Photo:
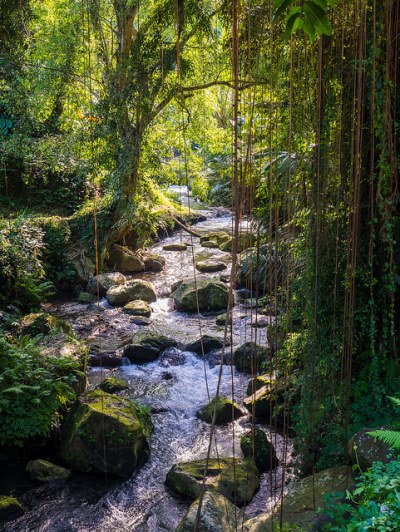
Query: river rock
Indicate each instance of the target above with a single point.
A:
(110, 360)
(205, 344)
(46, 471)
(267, 379)
(368, 449)
(218, 237)
(42, 323)
(132, 290)
(146, 347)
(267, 400)
(140, 320)
(210, 266)
(122, 259)
(217, 514)
(209, 244)
(175, 247)
(82, 266)
(245, 240)
(153, 262)
(211, 295)
(250, 355)
(105, 282)
(264, 452)
(106, 433)
(235, 479)
(226, 409)
(300, 504)
(85, 298)
(138, 308)
(10, 508)
(113, 384)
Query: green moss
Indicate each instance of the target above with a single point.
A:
(7, 502)
(224, 411)
(43, 323)
(113, 384)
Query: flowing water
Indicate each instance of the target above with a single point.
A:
(174, 386)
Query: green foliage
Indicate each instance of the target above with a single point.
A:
(33, 390)
(22, 275)
(309, 16)
(373, 505)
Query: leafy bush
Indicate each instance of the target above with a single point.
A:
(22, 276)
(373, 505)
(33, 390)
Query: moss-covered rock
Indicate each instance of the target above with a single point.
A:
(106, 433)
(236, 479)
(259, 381)
(113, 384)
(206, 344)
(364, 449)
(147, 346)
(210, 266)
(218, 237)
(122, 259)
(249, 356)
(211, 295)
(264, 452)
(300, 504)
(209, 244)
(226, 410)
(105, 281)
(45, 471)
(175, 247)
(217, 514)
(153, 262)
(86, 299)
(10, 508)
(245, 240)
(222, 319)
(130, 291)
(82, 266)
(42, 323)
(138, 308)
(268, 400)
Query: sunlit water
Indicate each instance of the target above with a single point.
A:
(143, 503)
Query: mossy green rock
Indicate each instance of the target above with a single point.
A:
(249, 356)
(205, 344)
(85, 298)
(300, 504)
(226, 409)
(210, 266)
(217, 237)
(245, 240)
(113, 384)
(264, 452)
(266, 401)
(106, 433)
(122, 259)
(147, 346)
(153, 262)
(217, 514)
(10, 509)
(259, 381)
(211, 295)
(105, 281)
(209, 244)
(369, 449)
(45, 471)
(130, 291)
(235, 479)
(222, 319)
(43, 323)
(138, 308)
(175, 247)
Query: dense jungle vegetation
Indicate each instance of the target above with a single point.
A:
(286, 112)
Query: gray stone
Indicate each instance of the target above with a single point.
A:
(122, 259)
(46, 471)
(105, 282)
(211, 295)
(130, 291)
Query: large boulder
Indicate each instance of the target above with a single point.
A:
(300, 504)
(267, 379)
(206, 344)
(364, 449)
(236, 479)
(217, 514)
(105, 282)
(210, 266)
(106, 433)
(217, 237)
(82, 266)
(42, 323)
(153, 262)
(122, 259)
(138, 308)
(113, 384)
(255, 446)
(268, 401)
(45, 471)
(225, 411)
(10, 508)
(211, 295)
(244, 241)
(146, 347)
(130, 291)
(249, 356)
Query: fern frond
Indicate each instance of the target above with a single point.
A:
(391, 437)
(395, 401)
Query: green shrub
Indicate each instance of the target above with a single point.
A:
(373, 505)
(33, 390)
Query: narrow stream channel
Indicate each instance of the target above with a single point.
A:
(143, 503)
